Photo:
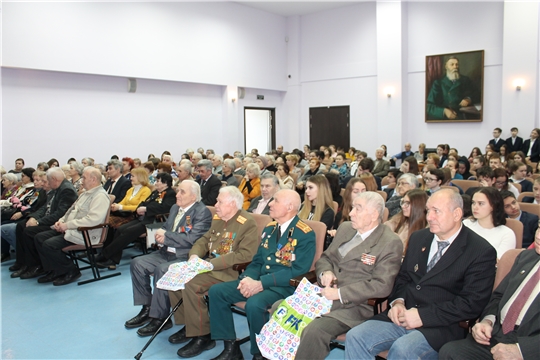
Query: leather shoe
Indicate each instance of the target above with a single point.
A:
(153, 326)
(139, 320)
(18, 273)
(196, 346)
(33, 272)
(49, 277)
(179, 337)
(5, 257)
(106, 264)
(231, 352)
(67, 278)
(15, 267)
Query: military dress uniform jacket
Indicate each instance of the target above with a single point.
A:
(367, 271)
(279, 260)
(228, 243)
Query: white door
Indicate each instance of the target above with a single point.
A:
(258, 130)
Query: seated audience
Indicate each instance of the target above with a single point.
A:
(87, 161)
(474, 153)
(262, 162)
(345, 278)
(392, 176)
(314, 169)
(369, 180)
(446, 277)
(531, 147)
(75, 176)
(183, 170)
(411, 218)
(335, 189)
(509, 327)
(354, 187)
(448, 179)
(318, 204)
(123, 211)
(489, 220)
(227, 173)
(464, 168)
(340, 168)
(503, 154)
(19, 165)
(217, 164)
(159, 202)
(251, 184)
(453, 166)
(189, 220)
(117, 184)
(519, 173)
(10, 205)
(495, 161)
(529, 221)
(420, 155)
(42, 166)
(536, 192)
(53, 163)
(409, 165)
(127, 165)
(433, 159)
(405, 183)
(29, 202)
(90, 209)
(501, 182)
(209, 183)
(285, 180)
(225, 252)
(269, 185)
(328, 159)
(266, 279)
(433, 180)
(9, 185)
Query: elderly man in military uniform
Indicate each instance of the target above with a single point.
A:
(232, 239)
(287, 249)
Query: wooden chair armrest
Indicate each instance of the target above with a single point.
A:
(241, 267)
(162, 217)
(311, 276)
(376, 301)
(86, 228)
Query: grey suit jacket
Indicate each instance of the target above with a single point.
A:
(358, 280)
(192, 226)
(381, 168)
(255, 202)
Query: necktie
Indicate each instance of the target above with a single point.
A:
(111, 187)
(442, 245)
(517, 306)
(348, 246)
(278, 233)
(177, 219)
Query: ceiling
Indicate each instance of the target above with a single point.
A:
(292, 8)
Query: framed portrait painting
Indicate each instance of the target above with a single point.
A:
(455, 87)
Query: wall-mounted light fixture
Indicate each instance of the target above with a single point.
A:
(389, 91)
(233, 93)
(518, 83)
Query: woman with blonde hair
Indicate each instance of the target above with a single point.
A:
(123, 211)
(251, 184)
(318, 204)
(292, 162)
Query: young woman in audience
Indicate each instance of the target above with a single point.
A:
(333, 151)
(518, 156)
(391, 178)
(478, 162)
(464, 167)
(503, 153)
(340, 168)
(335, 189)
(369, 180)
(433, 180)
(489, 220)
(53, 163)
(411, 218)
(318, 204)
(409, 165)
(314, 169)
(351, 154)
(9, 185)
(490, 147)
(354, 187)
(251, 184)
(502, 183)
(452, 164)
(123, 211)
(328, 159)
(519, 172)
(75, 173)
(448, 180)
(474, 153)
(285, 180)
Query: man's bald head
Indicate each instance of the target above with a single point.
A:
(285, 205)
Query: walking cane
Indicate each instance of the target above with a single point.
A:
(138, 356)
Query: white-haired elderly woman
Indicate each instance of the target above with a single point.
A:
(251, 184)
(405, 183)
(9, 185)
(75, 173)
(227, 173)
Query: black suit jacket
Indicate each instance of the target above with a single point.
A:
(535, 152)
(158, 203)
(255, 202)
(516, 147)
(527, 334)
(456, 289)
(526, 185)
(528, 199)
(210, 191)
(64, 196)
(530, 224)
(497, 145)
(120, 189)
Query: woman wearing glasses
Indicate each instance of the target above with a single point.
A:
(501, 182)
(412, 216)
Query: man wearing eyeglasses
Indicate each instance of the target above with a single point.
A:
(513, 211)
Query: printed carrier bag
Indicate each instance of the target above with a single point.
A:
(180, 273)
(280, 337)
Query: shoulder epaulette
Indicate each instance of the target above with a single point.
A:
(216, 217)
(303, 226)
(273, 223)
(241, 219)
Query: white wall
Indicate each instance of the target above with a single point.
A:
(210, 43)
